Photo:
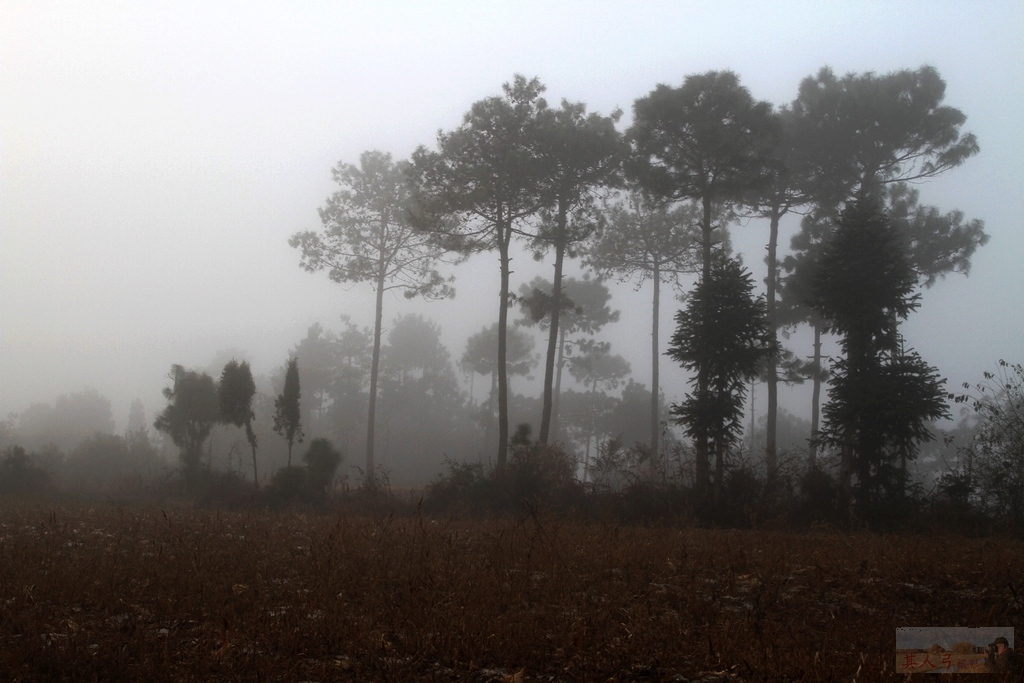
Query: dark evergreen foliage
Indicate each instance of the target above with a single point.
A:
(723, 335)
(287, 412)
(192, 411)
(882, 397)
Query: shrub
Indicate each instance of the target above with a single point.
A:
(322, 460)
(287, 486)
(540, 472)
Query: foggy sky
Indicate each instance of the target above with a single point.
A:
(155, 158)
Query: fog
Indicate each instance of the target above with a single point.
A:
(155, 159)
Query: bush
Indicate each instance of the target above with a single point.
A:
(541, 472)
(288, 486)
(322, 460)
(466, 487)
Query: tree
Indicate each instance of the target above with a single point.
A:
(104, 461)
(870, 130)
(724, 336)
(287, 412)
(193, 408)
(237, 389)
(422, 412)
(708, 141)
(21, 473)
(596, 366)
(645, 239)
(869, 133)
(481, 357)
(137, 418)
(583, 309)
(488, 176)
(71, 419)
(936, 244)
(789, 187)
(881, 397)
(319, 351)
(367, 237)
(582, 153)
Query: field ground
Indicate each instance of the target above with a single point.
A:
(127, 594)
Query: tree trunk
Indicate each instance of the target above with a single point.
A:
(374, 372)
(771, 284)
(816, 394)
(701, 446)
(556, 308)
(719, 471)
(251, 437)
(504, 238)
(489, 427)
(556, 402)
(655, 306)
(590, 434)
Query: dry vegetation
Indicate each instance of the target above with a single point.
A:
(111, 594)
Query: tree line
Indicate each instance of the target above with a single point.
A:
(655, 201)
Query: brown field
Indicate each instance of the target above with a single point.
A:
(140, 594)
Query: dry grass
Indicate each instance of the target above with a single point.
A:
(115, 594)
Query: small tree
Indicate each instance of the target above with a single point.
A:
(287, 413)
(237, 389)
(724, 336)
(193, 408)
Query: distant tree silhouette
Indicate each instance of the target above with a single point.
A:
(237, 389)
(287, 411)
(584, 309)
(367, 237)
(644, 240)
(322, 461)
(192, 410)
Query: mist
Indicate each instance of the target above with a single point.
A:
(155, 162)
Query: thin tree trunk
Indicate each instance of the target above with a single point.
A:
(504, 238)
(374, 371)
(701, 446)
(557, 399)
(251, 437)
(590, 435)
(655, 389)
(719, 471)
(556, 308)
(771, 284)
(489, 427)
(816, 395)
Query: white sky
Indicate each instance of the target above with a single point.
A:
(156, 156)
